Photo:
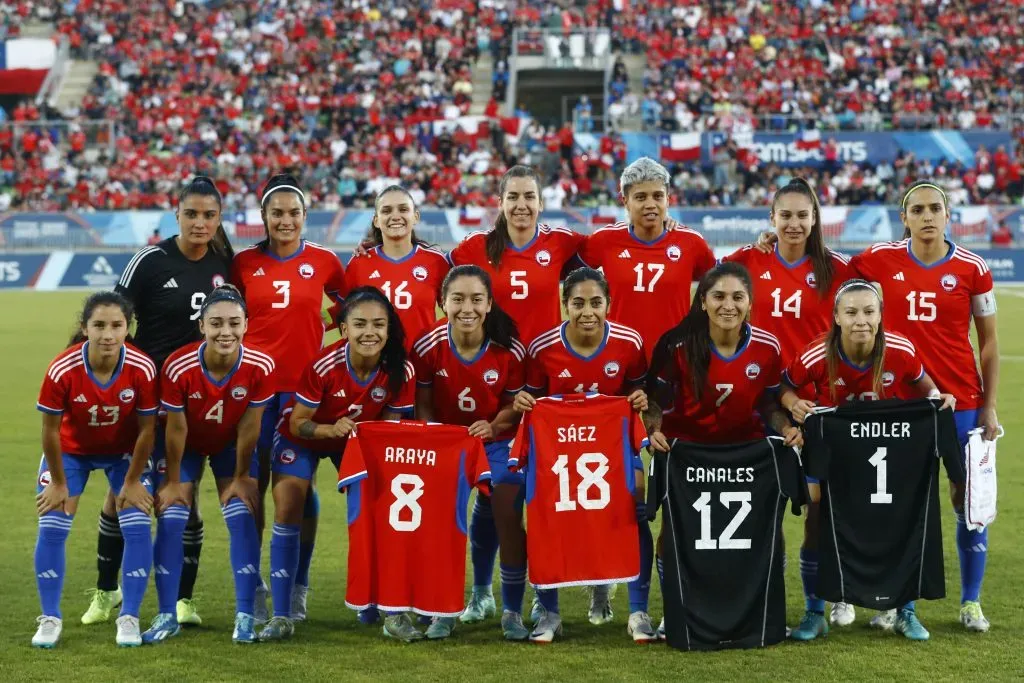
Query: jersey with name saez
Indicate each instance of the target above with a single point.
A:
(619, 363)
(408, 488)
(213, 408)
(578, 453)
(468, 390)
(98, 419)
(285, 298)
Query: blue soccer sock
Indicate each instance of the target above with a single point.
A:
(483, 539)
(548, 598)
(639, 590)
(513, 587)
(972, 549)
(284, 564)
(54, 528)
(809, 576)
(169, 556)
(138, 559)
(245, 554)
(909, 607)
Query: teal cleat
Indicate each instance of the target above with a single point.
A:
(441, 628)
(278, 628)
(512, 626)
(245, 629)
(908, 624)
(164, 626)
(813, 625)
(480, 607)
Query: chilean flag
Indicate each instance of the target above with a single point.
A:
(679, 147)
(24, 63)
(472, 216)
(808, 139)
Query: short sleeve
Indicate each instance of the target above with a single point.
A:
(536, 380)
(52, 395)
(311, 387)
(335, 286)
(796, 375)
(172, 396)
(914, 368)
(516, 370)
(135, 279)
(236, 277)
(263, 388)
(353, 466)
(405, 400)
(774, 370)
(948, 445)
(424, 367)
(462, 253)
(704, 259)
(591, 251)
(816, 452)
(738, 256)
(862, 265)
(636, 371)
(146, 389)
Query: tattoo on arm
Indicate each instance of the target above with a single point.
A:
(307, 430)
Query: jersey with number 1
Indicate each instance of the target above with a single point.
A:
(618, 364)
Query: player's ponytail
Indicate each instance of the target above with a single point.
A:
(203, 186)
(834, 340)
(374, 235)
(392, 356)
(498, 237)
(917, 186)
(94, 301)
(499, 327)
(282, 182)
(821, 260)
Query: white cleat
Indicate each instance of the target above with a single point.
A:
(549, 626)
(884, 621)
(299, 602)
(48, 632)
(260, 614)
(842, 614)
(128, 632)
(641, 629)
(600, 606)
(661, 630)
(972, 617)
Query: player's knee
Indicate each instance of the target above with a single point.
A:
(289, 500)
(110, 504)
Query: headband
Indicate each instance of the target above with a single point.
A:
(918, 187)
(302, 197)
(223, 294)
(856, 284)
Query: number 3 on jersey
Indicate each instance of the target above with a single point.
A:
(284, 290)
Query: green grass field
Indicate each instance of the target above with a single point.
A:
(331, 644)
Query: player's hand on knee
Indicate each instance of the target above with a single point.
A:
(134, 495)
(171, 493)
(51, 498)
(245, 489)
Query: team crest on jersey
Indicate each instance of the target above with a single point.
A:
(306, 271)
(753, 370)
(287, 456)
(378, 394)
(674, 253)
(127, 395)
(948, 282)
(44, 477)
(811, 280)
(887, 379)
(420, 273)
(238, 393)
(218, 280)
(544, 257)
(611, 369)
(491, 376)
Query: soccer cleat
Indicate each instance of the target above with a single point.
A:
(101, 605)
(813, 624)
(48, 632)
(163, 627)
(537, 610)
(884, 620)
(479, 608)
(299, 602)
(278, 628)
(908, 624)
(260, 613)
(400, 627)
(128, 632)
(245, 629)
(842, 614)
(512, 626)
(188, 612)
(549, 626)
(369, 616)
(639, 626)
(972, 618)
(600, 607)
(661, 630)
(440, 628)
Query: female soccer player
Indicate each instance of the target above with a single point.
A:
(869, 364)
(468, 369)
(284, 279)
(214, 393)
(586, 354)
(99, 403)
(366, 378)
(167, 283)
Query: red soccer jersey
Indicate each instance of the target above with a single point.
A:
(786, 303)
(409, 486)
(527, 284)
(901, 370)
(649, 281)
(553, 368)
(468, 390)
(213, 408)
(412, 284)
(284, 298)
(932, 307)
(727, 410)
(330, 386)
(578, 453)
(98, 419)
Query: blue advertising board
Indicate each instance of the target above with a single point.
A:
(21, 270)
(100, 271)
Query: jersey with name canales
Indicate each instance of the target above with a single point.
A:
(619, 363)
(786, 300)
(578, 453)
(901, 370)
(285, 297)
(331, 387)
(723, 551)
(649, 281)
(881, 533)
(727, 409)
(98, 419)
(213, 408)
(526, 284)
(932, 306)
(168, 291)
(412, 284)
(468, 390)
(408, 489)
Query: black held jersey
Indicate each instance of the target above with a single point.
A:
(722, 551)
(878, 462)
(168, 290)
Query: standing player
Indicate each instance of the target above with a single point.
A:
(468, 370)
(366, 378)
(98, 401)
(589, 354)
(167, 283)
(214, 392)
(284, 279)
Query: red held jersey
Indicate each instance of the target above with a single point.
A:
(98, 419)
(409, 486)
(901, 370)
(932, 306)
(214, 408)
(412, 284)
(727, 410)
(553, 367)
(786, 302)
(577, 452)
(649, 281)
(466, 391)
(330, 386)
(526, 285)
(284, 298)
